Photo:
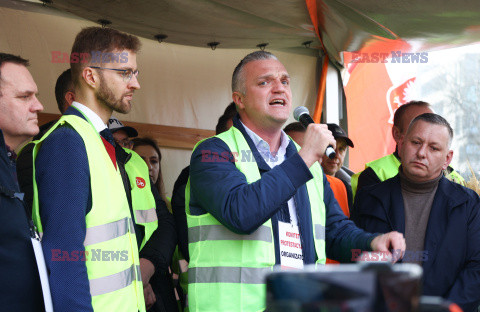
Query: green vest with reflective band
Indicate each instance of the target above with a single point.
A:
(385, 168)
(455, 177)
(112, 261)
(180, 268)
(227, 270)
(142, 198)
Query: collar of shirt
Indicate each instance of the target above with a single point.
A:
(91, 115)
(264, 149)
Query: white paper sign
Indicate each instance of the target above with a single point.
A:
(291, 253)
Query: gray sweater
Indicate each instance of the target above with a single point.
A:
(417, 202)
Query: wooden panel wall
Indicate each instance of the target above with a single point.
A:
(166, 136)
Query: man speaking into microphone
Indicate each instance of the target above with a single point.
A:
(255, 199)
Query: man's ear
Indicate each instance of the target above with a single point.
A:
(89, 77)
(69, 97)
(397, 134)
(238, 98)
(448, 159)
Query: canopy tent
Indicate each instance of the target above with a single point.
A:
(186, 84)
(286, 25)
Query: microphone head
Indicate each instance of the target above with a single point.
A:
(299, 111)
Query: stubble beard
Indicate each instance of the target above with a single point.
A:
(105, 96)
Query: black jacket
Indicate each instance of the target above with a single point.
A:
(20, 288)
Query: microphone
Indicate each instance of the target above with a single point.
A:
(302, 115)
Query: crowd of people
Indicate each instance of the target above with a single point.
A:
(89, 226)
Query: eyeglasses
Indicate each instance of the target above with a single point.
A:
(127, 74)
(125, 143)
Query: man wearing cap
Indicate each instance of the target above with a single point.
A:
(341, 189)
(121, 133)
(332, 166)
(156, 254)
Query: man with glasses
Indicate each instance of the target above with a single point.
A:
(81, 206)
(122, 134)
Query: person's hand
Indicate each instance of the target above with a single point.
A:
(317, 138)
(149, 295)
(147, 269)
(390, 241)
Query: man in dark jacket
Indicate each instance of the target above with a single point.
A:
(19, 279)
(439, 218)
(235, 223)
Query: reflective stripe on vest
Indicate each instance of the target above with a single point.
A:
(110, 283)
(145, 216)
(233, 266)
(228, 275)
(219, 232)
(105, 232)
(111, 252)
(143, 202)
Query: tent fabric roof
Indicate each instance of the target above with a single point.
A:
(284, 25)
(346, 25)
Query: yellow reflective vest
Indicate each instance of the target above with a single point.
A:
(143, 202)
(227, 270)
(387, 167)
(112, 261)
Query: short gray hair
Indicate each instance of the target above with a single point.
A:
(436, 120)
(238, 79)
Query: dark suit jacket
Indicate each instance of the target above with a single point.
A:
(452, 239)
(20, 288)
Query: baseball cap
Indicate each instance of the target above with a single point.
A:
(338, 132)
(114, 125)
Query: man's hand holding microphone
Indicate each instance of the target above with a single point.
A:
(318, 139)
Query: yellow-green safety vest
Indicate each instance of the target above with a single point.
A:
(143, 202)
(227, 270)
(387, 167)
(112, 262)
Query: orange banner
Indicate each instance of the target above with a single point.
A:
(372, 99)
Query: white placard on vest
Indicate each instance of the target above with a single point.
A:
(291, 253)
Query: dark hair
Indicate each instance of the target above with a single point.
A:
(400, 112)
(228, 114)
(436, 120)
(64, 84)
(294, 127)
(10, 58)
(238, 79)
(145, 141)
(99, 39)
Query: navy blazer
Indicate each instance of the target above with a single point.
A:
(452, 239)
(221, 189)
(20, 286)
